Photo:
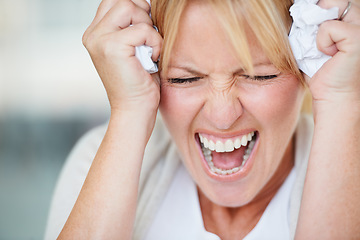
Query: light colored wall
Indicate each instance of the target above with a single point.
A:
(50, 94)
(44, 69)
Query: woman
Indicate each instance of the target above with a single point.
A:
(231, 96)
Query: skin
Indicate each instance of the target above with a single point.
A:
(334, 167)
(105, 209)
(222, 103)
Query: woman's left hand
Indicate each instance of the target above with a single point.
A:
(330, 207)
(338, 80)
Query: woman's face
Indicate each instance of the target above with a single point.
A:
(211, 108)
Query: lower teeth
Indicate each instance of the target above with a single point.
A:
(214, 169)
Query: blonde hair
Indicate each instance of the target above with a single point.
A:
(269, 20)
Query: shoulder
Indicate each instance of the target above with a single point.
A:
(71, 179)
(77, 165)
(81, 156)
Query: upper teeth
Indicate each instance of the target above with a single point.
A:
(227, 145)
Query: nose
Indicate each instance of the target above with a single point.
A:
(222, 109)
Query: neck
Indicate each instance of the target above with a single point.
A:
(236, 223)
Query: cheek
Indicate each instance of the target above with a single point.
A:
(179, 107)
(276, 102)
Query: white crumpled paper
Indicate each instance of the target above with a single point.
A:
(144, 53)
(307, 16)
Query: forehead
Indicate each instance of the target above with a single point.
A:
(203, 42)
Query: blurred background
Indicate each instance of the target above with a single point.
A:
(50, 95)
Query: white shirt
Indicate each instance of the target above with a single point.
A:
(157, 184)
(179, 217)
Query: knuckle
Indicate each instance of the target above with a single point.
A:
(85, 38)
(127, 7)
(88, 40)
(143, 4)
(324, 25)
(147, 7)
(144, 27)
(104, 4)
(160, 39)
(97, 45)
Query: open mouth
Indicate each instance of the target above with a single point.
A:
(227, 156)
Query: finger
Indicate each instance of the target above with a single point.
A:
(334, 36)
(103, 8)
(143, 34)
(346, 61)
(137, 35)
(106, 6)
(143, 4)
(353, 16)
(122, 15)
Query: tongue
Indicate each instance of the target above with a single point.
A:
(228, 160)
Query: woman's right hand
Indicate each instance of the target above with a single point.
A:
(111, 42)
(106, 205)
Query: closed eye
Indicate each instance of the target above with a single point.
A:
(260, 78)
(183, 80)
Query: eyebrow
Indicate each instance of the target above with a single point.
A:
(188, 69)
(192, 70)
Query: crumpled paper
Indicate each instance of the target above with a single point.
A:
(144, 53)
(307, 16)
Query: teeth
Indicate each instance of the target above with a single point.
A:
(229, 146)
(219, 147)
(251, 144)
(201, 138)
(249, 136)
(237, 143)
(207, 152)
(211, 145)
(226, 146)
(210, 162)
(205, 142)
(208, 146)
(244, 140)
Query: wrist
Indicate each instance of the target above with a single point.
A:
(137, 123)
(339, 112)
(144, 111)
(143, 106)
